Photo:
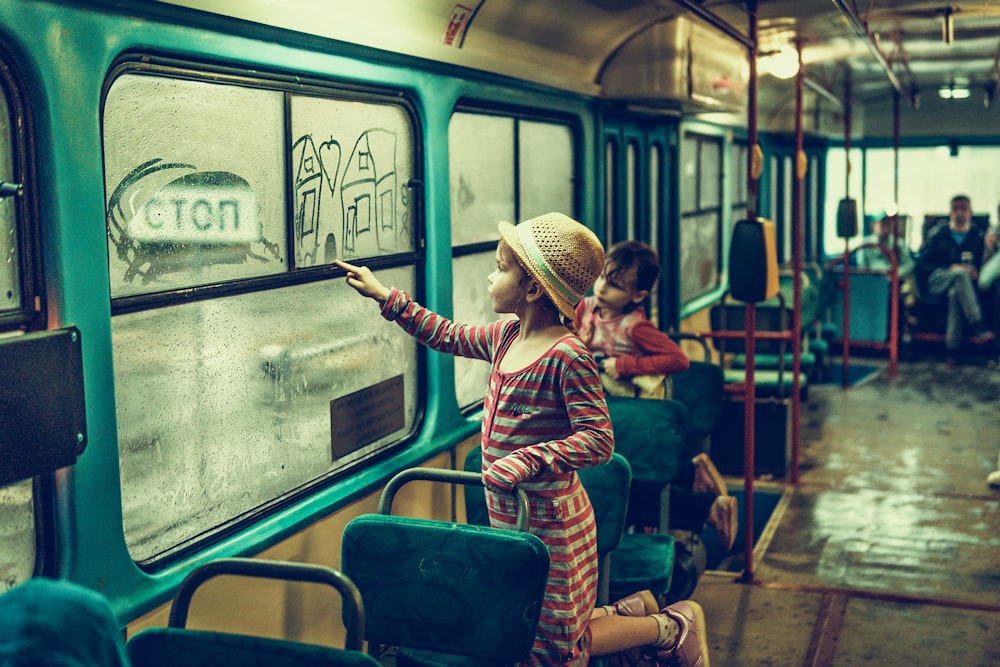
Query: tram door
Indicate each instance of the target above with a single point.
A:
(640, 156)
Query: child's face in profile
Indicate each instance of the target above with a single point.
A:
(615, 289)
(505, 281)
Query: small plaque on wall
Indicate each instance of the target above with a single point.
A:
(361, 418)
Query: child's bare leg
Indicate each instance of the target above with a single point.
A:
(614, 634)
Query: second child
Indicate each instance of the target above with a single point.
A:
(635, 359)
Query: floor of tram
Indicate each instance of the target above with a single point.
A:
(887, 552)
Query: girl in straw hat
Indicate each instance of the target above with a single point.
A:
(544, 417)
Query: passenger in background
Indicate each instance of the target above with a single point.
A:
(948, 264)
(636, 358)
(545, 416)
(51, 623)
(883, 231)
(993, 479)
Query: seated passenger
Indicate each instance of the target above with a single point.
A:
(50, 623)
(948, 265)
(635, 358)
(874, 258)
(633, 355)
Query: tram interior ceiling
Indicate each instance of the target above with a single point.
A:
(684, 56)
(42, 417)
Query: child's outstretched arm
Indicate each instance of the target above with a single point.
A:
(364, 281)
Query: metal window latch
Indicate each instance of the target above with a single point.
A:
(10, 189)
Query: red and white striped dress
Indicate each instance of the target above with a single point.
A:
(545, 421)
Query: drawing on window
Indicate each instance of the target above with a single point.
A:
(371, 198)
(161, 223)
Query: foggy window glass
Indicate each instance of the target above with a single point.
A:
(225, 405)
(10, 278)
(481, 150)
(689, 173)
(699, 254)
(701, 215)
(710, 178)
(17, 533)
(195, 193)
(546, 163)
(610, 187)
(631, 191)
(351, 166)
(472, 306)
(655, 194)
(481, 163)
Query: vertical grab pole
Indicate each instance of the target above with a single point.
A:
(846, 332)
(798, 229)
(894, 273)
(755, 165)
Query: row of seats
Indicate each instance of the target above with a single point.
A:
(444, 593)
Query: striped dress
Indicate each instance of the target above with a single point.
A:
(544, 422)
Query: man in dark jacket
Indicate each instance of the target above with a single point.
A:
(949, 266)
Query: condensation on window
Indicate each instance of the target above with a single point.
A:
(546, 168)
(472, 305)
(481, 166)
(195, 187)
(10, 275)
(351, 167)
(699, 254)
(17, 534)
(225, 405)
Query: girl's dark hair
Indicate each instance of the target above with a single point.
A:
(627, 254)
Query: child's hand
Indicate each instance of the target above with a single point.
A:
(364, 281)
(609, 368)
(501, 476)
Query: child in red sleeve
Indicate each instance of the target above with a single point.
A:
(635, 359)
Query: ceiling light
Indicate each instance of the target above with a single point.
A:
(783, 63)
(953, 92)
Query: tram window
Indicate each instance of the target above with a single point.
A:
(739, 182)
(631, 190)
(228, 405)
(701, 215)
(655, 194)
(17, 533)
(484, 177)
(545, 168)
(193, 197)
(350, 171)
(481, 162)
(10, 277)
(838, 186)
(610, 188)
(224, 405)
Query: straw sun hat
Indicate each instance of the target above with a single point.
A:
(560, 253)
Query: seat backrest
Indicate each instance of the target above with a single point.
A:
(607, 486)
(457, 589)
(701, 388)
(177, 645)
(650, 435)
(770, 316)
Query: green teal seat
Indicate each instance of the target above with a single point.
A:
(771, 361)
(178, 646)
(651, 434)
(607, 486)
(445, 593)
(701, 389)
(642, 561)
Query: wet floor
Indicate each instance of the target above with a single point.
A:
(888, 551)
